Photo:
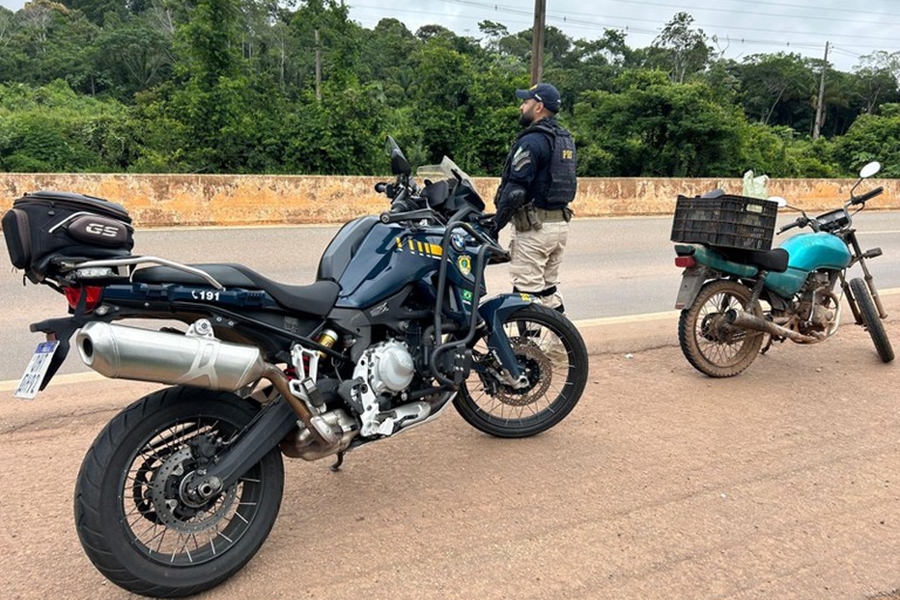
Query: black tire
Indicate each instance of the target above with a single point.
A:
(128, 519)
(709, 344)
(557, 367)
(871, 319)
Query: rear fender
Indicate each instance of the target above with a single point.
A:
(495, 312)
(692, 280)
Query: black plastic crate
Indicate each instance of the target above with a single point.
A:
(726, 221)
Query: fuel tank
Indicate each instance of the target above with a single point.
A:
(385, 258)
(808, 252)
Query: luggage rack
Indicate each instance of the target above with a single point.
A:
(140, 260)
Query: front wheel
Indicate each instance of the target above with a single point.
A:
(708, 341)
(871, 319)
(555, 361)
(135, 519)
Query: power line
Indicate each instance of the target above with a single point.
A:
(816, 6)
(575, 20)
(688, 8)
(569, 19)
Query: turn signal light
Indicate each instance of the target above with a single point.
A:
(94, 294)
(684, 262)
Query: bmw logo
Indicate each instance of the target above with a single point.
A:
(458, 242)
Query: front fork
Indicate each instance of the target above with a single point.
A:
(867, 276)
(496, 312)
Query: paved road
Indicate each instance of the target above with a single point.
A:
(777, 484)
(614, 267)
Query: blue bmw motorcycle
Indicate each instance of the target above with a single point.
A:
(181, 488)
(738, 298)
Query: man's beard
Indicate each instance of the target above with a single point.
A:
(526, 119)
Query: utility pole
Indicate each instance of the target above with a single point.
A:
(318, 69)
(537, 44)
(820, 112)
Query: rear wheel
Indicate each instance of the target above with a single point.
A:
(708, 341)
(555, 359)
(871, 319)
(134, 514)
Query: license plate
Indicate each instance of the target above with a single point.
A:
(36, 370)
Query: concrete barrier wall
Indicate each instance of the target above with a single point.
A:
(171, 200)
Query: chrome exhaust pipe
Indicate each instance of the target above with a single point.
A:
(746, 320)
(122, 352)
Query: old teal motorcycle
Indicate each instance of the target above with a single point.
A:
(738, 297)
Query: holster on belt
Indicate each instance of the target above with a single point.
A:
(527, 218)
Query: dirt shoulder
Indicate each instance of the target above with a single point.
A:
(780, 483)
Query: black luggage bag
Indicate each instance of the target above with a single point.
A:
(43, 228)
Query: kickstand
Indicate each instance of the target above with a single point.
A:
(337, 464)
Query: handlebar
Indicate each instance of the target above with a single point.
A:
(832, 220)
(867, 196)
(401, 210)
(800, 222)
(410, 215)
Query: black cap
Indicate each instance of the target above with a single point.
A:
(542, 92)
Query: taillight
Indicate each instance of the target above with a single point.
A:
(685, 261)
(94, 294)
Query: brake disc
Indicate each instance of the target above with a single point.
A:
(538, 370)
(170, 500)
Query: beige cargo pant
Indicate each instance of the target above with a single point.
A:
(536, 257)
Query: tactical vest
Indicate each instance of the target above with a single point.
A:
(559, 191)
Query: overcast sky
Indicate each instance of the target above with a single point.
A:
(743, 27)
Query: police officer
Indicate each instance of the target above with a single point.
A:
(536, 187)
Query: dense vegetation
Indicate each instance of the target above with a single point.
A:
(255, 86)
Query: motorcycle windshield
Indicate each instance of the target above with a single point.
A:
(447, 169)
(461, 186)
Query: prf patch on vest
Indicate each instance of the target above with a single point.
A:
(521, 159)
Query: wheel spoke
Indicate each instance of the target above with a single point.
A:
(548, 357)
(167, 528)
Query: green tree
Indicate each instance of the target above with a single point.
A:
(343, 134)
(441, 96)
(777, 89)
(208, 43)
(386, 58)
(680, 49)
(652, 127)
(133, 55)
(876, 76)
(872, 137)
(97, 10)
(54, 42)
(53, 129)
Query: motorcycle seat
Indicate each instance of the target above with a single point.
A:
(315, 299)
(773, 261)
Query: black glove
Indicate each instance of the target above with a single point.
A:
(511, 199)
(491, 229)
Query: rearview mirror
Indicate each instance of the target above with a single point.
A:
(870, 169)
(781, 202)
(399, 164)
